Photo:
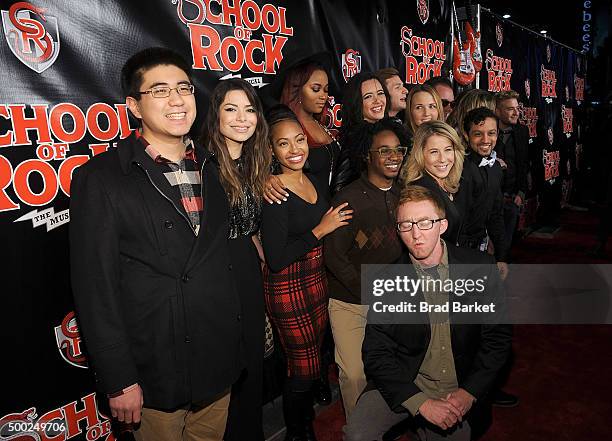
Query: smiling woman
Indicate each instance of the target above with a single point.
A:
(295, 283)
(436, 163)
(423, 104)
(237, 133)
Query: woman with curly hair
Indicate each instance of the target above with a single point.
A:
(237, 133)
(436, 163)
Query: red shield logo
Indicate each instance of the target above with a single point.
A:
(423, 10)
(32, 35)
(527, 88)
(351, 64)
(69, 341)
(499, 34)
(550, 135)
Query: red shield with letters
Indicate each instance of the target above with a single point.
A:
(423, 10)
(32, 36)
(69, 341)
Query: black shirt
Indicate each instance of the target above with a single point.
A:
(286, 229)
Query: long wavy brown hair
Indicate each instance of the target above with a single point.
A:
(415, 166)
(256, 155)
(408, 119)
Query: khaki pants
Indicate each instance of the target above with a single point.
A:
(348, 322)
(205, 424)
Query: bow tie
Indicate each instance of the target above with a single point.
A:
(489, 161)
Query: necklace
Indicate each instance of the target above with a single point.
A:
(329, 150)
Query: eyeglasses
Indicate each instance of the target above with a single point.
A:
(425, 224)
(164, 92)
(448, 103)
(385, 152)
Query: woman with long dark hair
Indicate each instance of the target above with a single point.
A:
(295, 284)
(365, 101)
(236, 132)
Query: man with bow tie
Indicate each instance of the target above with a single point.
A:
(512, 148)
(480, 199)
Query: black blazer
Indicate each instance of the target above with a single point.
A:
(156, 304)
(520, 134)
(480, 202)
(393, 353)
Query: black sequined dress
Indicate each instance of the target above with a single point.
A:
(245, 417)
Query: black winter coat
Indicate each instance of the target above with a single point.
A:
(155, 303)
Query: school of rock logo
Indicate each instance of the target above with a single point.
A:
(527, 88)
(549, 83)
(499, 72)
(351, 64)
(499, 34)
(551, 165)
(567, 116)
(528, 116)
(53, 131)
(423, 10)
(60, 424)
(32, 35)
(579, 88)
(209, 51)
(424, 56)
(69, 341)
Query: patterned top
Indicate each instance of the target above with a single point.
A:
(185, 175)
(244, 217)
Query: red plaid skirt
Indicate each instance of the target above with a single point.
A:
(296, 299)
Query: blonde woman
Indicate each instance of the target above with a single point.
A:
(422, 104)
(436, 163)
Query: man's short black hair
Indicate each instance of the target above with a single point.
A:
(434, 81)
(134, 69)
(388, 124)
(477, 116)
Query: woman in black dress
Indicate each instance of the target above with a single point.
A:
(305, 91)
(436, 163)
(236, 132)
(295, 286)
(365, 101)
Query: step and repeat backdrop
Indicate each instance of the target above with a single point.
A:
(60, 104)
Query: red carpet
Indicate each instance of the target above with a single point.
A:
(560, 373)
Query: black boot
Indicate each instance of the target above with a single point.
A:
(321, 390)
(308, 416)
(292, 412)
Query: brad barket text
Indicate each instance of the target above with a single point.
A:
(456, 307)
